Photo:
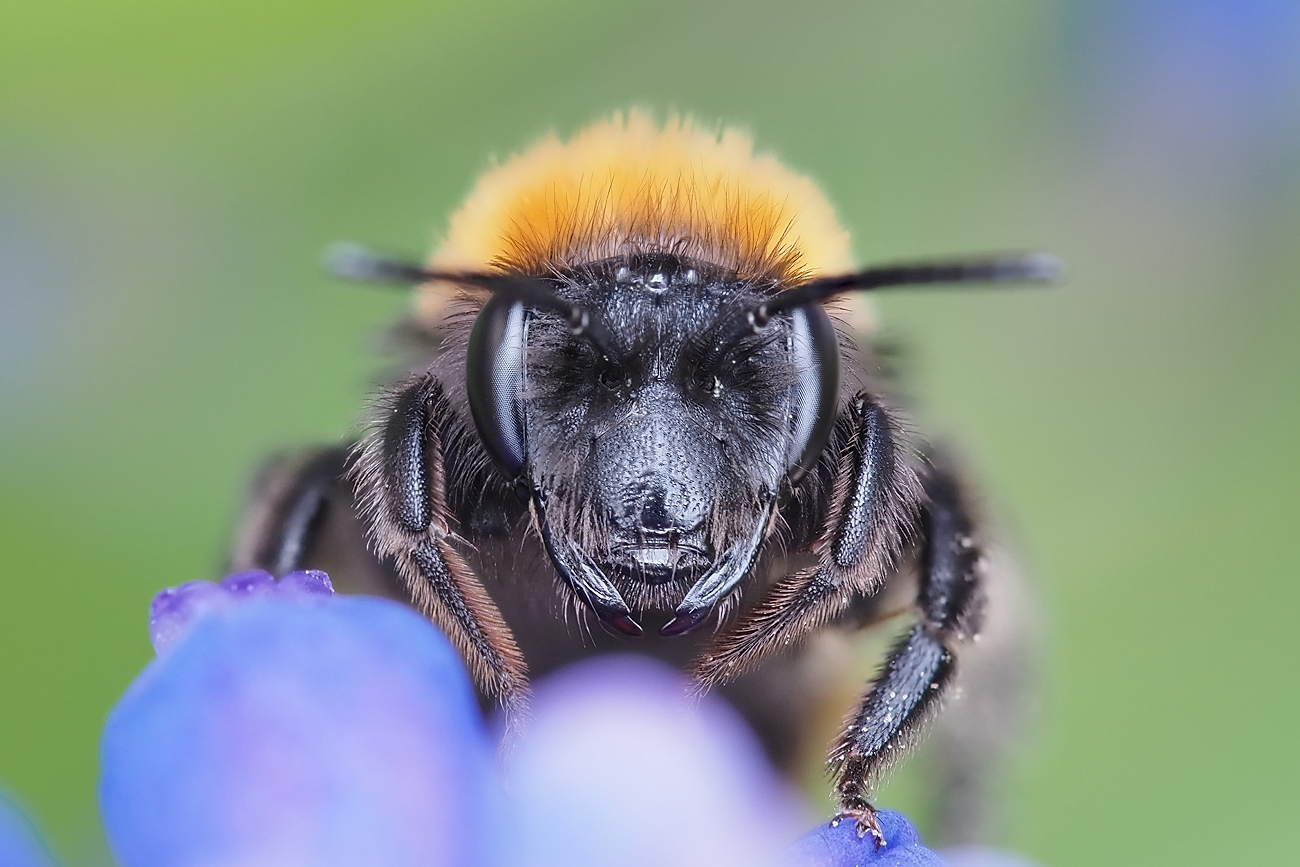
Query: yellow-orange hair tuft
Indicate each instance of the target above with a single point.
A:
(628, 185)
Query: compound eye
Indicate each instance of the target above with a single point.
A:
(494, 381)
(814, 398)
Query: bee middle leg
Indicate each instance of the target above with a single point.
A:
(302, 514)
(290, 502)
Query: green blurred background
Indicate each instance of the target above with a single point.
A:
(169, 173)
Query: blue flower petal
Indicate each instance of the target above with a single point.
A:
(620, 766)
(839, 845)
(342, 732)
(20, 845)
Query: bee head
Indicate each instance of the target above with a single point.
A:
(657, 447)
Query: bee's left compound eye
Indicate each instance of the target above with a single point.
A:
(815, 351)
(494, 380)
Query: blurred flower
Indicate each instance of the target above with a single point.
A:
(1198, 93)
(299, 728)
(981, 856)
(20, 845)
(617, 766)
(295, 729)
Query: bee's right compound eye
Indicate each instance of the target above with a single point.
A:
(494, 380)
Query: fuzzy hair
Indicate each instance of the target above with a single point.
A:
(629, 185)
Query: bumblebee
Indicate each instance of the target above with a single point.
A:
(635, 407)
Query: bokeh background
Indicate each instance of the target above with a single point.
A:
(170, 172)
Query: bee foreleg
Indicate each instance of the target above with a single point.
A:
(400, 477)
(922, 664)
(870, 520)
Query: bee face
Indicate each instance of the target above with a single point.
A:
(658, 449)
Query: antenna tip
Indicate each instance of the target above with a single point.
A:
(1040, 267)
(351, 261)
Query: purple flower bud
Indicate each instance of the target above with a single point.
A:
(254, 582)
(308, 582)
(621, 766)
(292, 734)
(175, 609)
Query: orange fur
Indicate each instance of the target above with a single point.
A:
(629, 185)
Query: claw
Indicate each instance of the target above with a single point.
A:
(868, 825)
(864, 820)
(623, 623)
(587, 580)
(731, 567)
(684, 621)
